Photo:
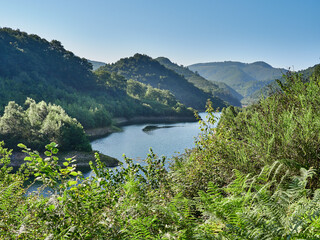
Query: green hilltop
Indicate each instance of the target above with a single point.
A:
(217, 89)
(30, 66)
(146, 70)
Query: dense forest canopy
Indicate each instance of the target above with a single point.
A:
(146, 70)
(22, 53)
(33, 67)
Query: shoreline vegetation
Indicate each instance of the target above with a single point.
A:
(83, 158)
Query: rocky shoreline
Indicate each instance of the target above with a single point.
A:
(96, 133)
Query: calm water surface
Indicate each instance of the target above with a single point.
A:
(167, 140)
(171, 140)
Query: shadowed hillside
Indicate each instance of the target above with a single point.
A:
(217, 89)
(31, 66)
(146, 70)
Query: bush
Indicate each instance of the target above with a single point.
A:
(40, 124)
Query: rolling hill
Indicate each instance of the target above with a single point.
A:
(96, 64)
(243, 77)
(146, 70)
(273, 86)
(31, 66)
(217, 89)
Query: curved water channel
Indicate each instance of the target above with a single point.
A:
(165, 140)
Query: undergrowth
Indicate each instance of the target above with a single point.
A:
(255, 176)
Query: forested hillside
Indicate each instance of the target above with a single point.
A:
(244, 78)
(33, 67)
(217, 89)
(273, 86)
(146, 70)
(255, 176)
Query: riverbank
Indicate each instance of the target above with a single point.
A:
(82, 159)
(153, 119)
(96, 133)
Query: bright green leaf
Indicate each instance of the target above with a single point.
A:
(47, 153)
(55, 150)
(51, 207)
(71, 183)
(20, 145)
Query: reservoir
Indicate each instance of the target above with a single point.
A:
(164, 139)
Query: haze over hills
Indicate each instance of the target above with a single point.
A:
(217, 89)
(146, 70)
(96, 64)
(243, 77)
(273, 86)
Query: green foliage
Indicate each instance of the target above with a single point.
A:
(260, 207)
(236, 183)
(45, 71)
(274, 87)
(255, 176)
(242, 77)
(284, 127)
(217, 89)
(111, 81)
(41, 124)
(160, 100)
(141, 202)
(149, 71)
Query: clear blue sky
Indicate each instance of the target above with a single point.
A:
(284, 33)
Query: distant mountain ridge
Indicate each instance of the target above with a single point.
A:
(217, 89)
(245, 78)
(146, 70)
(96, 64)
(272, 87)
